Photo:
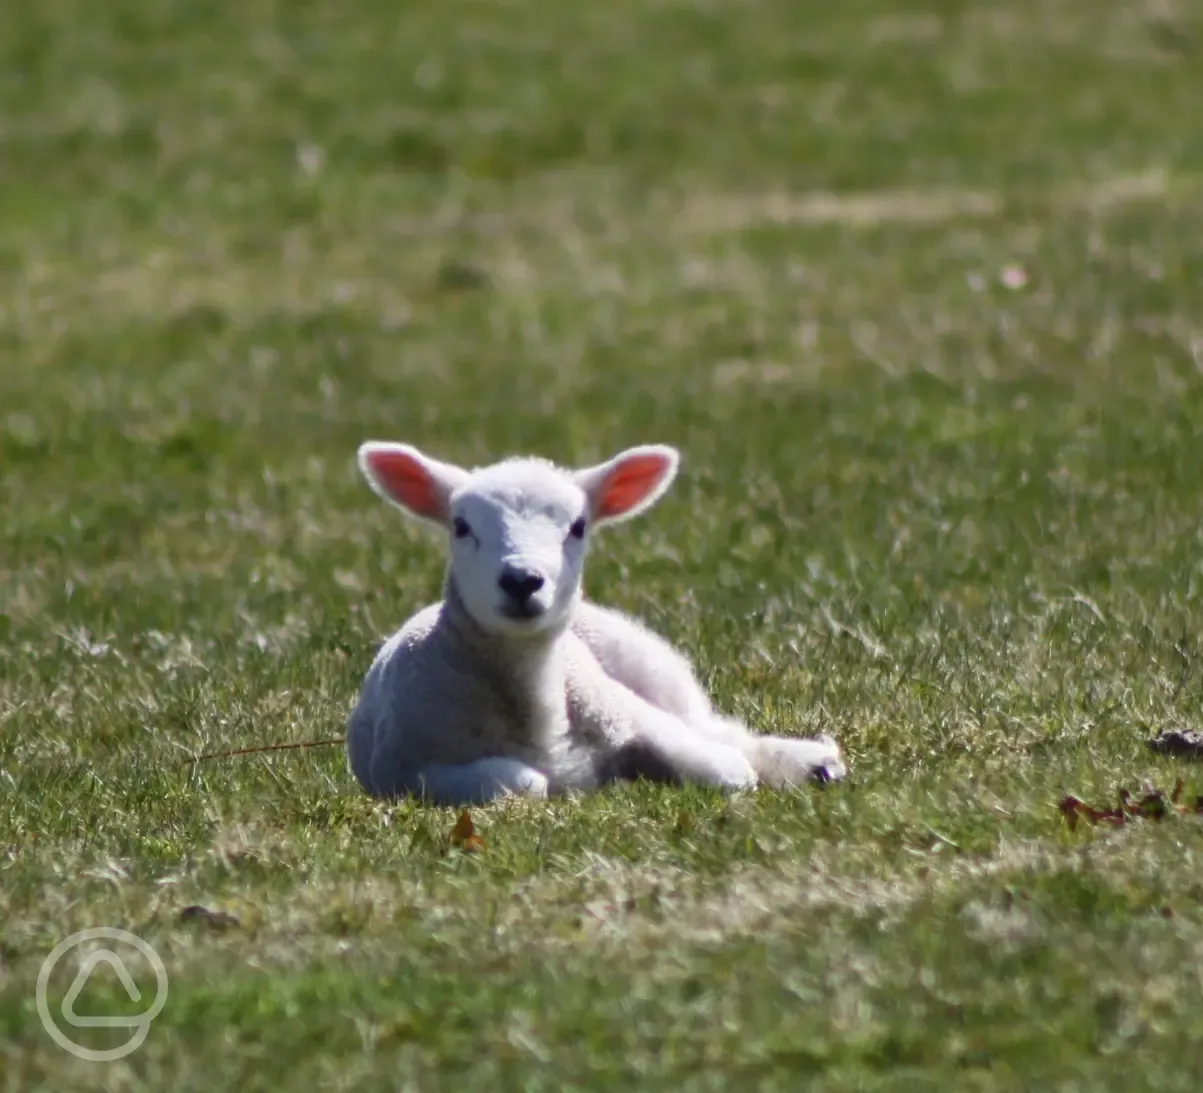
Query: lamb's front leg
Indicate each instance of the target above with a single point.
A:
(474, 783)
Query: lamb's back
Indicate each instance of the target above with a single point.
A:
(642, 660)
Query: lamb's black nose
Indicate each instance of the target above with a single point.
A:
(519, 584)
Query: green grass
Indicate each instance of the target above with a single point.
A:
(955, 523)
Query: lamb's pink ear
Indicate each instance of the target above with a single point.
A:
(632, 481)
(416, 483)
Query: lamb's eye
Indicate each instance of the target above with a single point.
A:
(460, 526)
(577, 531)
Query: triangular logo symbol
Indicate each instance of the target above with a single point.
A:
(101, 956)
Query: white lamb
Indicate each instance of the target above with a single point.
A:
(514, 684)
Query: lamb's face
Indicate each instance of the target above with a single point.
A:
(518, 533)
(518, 528)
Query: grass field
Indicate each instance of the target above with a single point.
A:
(918, 290)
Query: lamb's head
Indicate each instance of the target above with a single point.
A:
(518, 530)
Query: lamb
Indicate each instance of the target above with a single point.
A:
(514, 683)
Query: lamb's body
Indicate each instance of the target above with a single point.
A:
(461, 712)
(450, 712)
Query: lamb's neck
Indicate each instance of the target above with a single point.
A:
(535, 662)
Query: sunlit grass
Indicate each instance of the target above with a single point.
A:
(916, 290)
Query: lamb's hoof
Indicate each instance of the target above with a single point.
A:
(832, 769)
(790, 762)
(833, 772)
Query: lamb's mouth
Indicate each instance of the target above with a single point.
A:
(522, 612)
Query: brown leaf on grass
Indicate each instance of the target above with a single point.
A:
(1152, 805)
(218, 921)
(464, 834)
(1073, 808)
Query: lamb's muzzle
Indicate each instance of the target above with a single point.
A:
(520, 585)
